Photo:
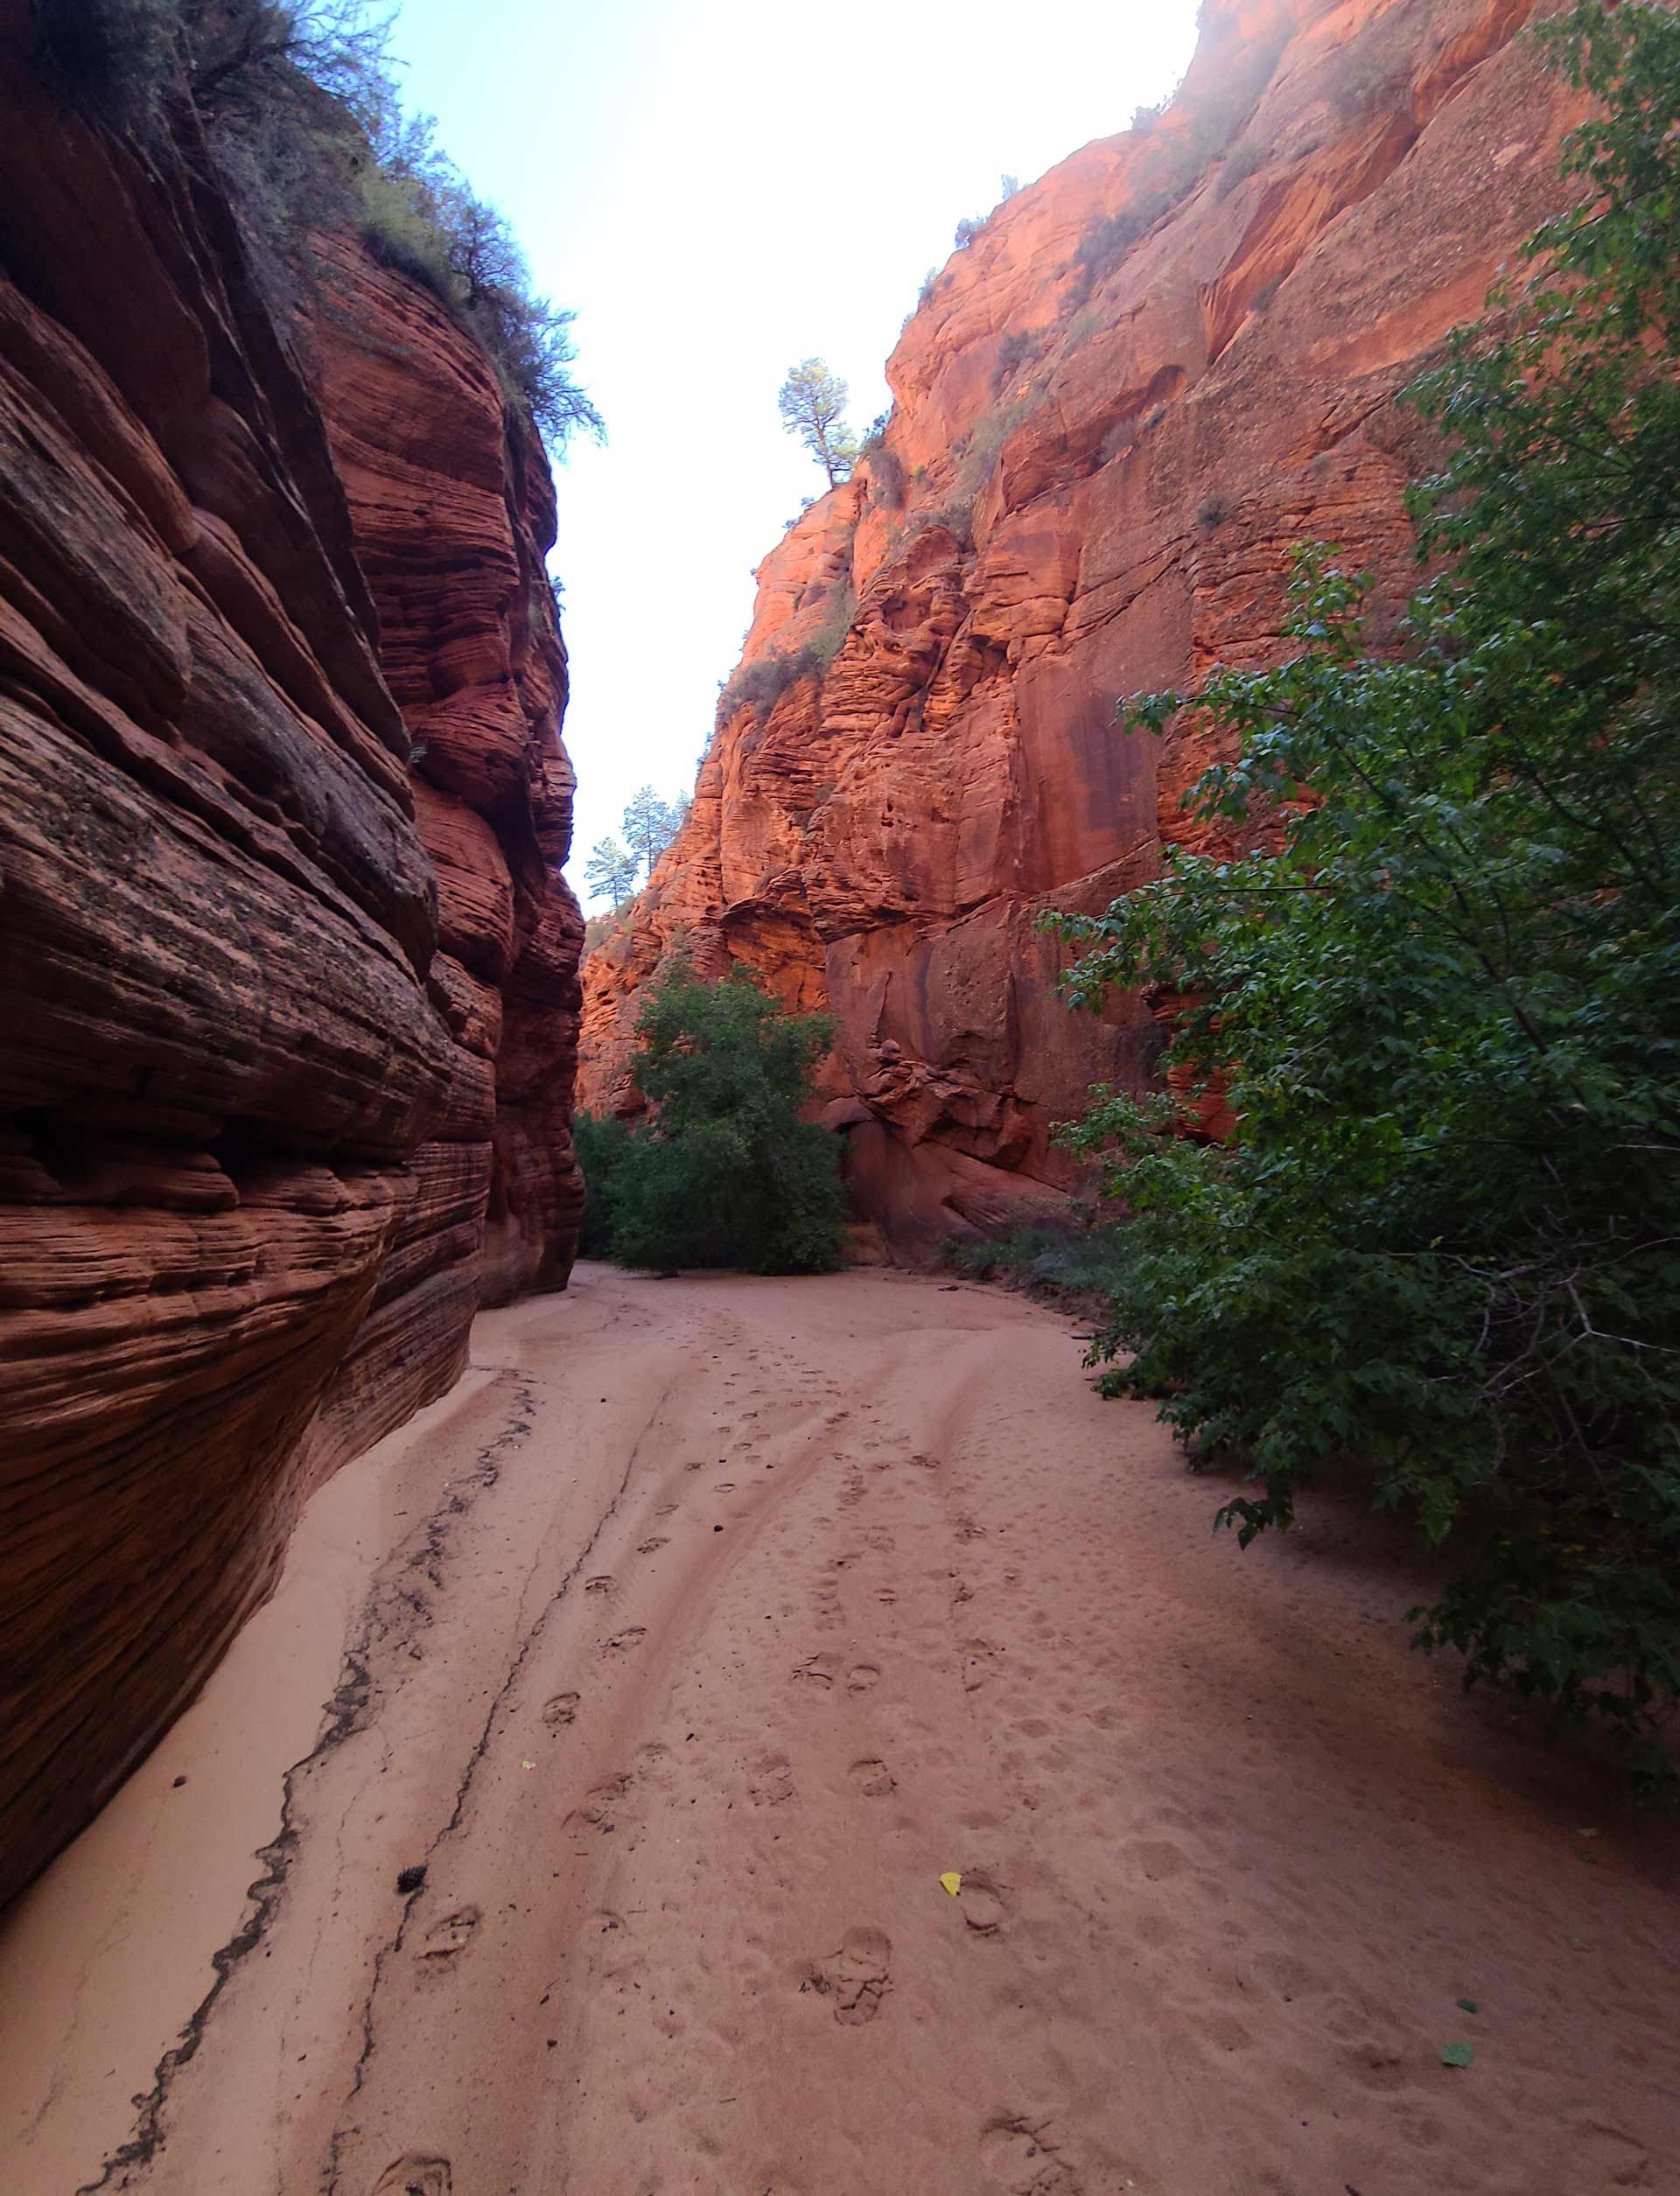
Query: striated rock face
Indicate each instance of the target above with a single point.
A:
(1154, 372)
(289, 973)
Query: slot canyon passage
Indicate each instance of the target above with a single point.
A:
(478, 1723)
(696, 1635)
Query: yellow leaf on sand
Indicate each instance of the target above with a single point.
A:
(952, 1881)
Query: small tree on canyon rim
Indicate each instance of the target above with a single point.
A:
(727, 1173)
(650, 824)
(610, 872)
(1440, 994)
(812, 402)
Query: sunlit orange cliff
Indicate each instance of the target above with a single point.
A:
(1115, 412)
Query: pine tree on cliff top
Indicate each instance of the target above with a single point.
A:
(812, 402)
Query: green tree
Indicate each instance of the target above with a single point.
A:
(610, 872)
(1442, 990)
(649, 825)
(727, 1173)
(812, 402)
(601, 1142)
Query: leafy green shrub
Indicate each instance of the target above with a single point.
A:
(727, 1174)
(602, 1145)
(759, 685)
(967, 228)
(1087, 1262)
(955, 518)
(886, 482)
(1440, 995)
(299, 110)
(1017, 348)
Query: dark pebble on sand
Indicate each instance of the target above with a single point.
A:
(411, 1879)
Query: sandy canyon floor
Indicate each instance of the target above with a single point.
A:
(690, 1641)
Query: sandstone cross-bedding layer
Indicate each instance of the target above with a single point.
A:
(289, 972)
(1152, 375)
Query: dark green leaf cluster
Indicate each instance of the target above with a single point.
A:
(727, 1173)
(1437, 976)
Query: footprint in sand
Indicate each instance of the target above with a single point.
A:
(863, 1678)
(771, 1780)
(984, 1904)
(601, 1583)
(979, 1664)
(651, 1547)
(561, 1709)
(667, 1510)
(415, 2175)
(818, 1669)
(856, 1978)
(1014, 2156)
(452, 1934)
(874, 1779)
(724, 1486)
(600, 1802)
(621, 1642)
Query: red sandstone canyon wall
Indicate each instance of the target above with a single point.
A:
(1090, 486)
(289, 973)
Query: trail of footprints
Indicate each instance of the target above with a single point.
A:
(855, 1981)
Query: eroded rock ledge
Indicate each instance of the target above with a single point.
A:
(289, 972)
(1151, 374)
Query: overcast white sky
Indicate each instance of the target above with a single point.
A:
(722, 187)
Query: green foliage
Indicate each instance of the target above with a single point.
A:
(1018, 349)
(418, 213)
(602, 1145)
(955, 517)
(886, 483)
(610, 872)
(830, 636)
(300, 113)
(649, 826)
(727, 1174)
(759, 685)
(1084, 1263)
(812, 401)
(967, 228)
(1439, 988)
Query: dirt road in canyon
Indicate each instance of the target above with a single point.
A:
(691, 1643)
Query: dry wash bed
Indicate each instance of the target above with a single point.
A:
(696, 1636)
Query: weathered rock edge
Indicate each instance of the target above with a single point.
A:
(288, 970)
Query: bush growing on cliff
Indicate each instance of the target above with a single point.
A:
(300, 113)
(759, 685)
(1441, 994)
(727, 1173)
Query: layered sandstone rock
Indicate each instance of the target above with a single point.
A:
(287, 1054)
(1152, 375)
